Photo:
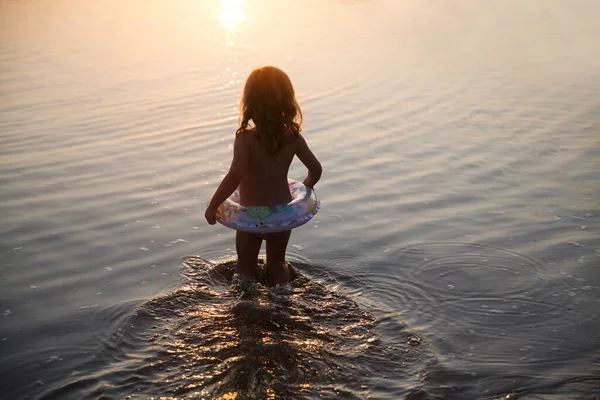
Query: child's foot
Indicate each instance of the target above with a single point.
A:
(279, 272)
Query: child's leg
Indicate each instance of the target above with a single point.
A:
(247, 246)
(276, 247)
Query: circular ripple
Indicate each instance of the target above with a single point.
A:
(299, 256)
(484, 276)
(389, 292)
(350, 259)
(488, 306)
(346, 262)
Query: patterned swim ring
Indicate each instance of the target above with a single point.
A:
(279, 218)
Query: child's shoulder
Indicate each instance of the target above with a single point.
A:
(247, 131)
(244, 135)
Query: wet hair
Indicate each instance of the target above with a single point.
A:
(269, 101)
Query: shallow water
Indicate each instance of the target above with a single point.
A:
(456, 252)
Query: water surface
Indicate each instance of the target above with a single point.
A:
(456, 253)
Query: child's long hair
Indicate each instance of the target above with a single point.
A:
(269, 101)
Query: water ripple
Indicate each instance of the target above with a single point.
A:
(204, 339)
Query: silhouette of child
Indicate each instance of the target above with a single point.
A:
(262, 154)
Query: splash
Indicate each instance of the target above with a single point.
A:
(206, 339)
(250, 343)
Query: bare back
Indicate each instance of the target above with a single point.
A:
(265, 179)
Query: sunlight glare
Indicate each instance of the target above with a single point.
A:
(231, 13)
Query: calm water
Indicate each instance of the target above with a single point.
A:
(457, 251)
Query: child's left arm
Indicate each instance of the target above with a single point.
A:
(241, 156)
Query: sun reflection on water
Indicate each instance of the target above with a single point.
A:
(231, 13)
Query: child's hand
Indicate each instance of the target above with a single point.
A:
(211, 215)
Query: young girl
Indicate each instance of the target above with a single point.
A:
(262, 154)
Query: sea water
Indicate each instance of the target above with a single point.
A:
(456, 252)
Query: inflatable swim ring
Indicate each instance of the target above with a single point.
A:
(264, 219)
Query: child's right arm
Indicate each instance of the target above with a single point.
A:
(310, 161)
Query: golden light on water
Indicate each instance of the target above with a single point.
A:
(229, 396)
(231, 13)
